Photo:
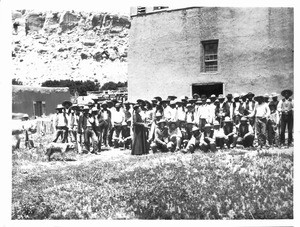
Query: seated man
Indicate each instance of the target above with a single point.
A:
(207, 141)
(194, 141)
(245, 133)
(160, 137)
(186, 131)
(219, 135)
(174, 136)
(126, 138)
(230, 132)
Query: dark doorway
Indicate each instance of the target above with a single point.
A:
(208, 89)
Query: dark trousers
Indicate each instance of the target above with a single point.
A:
(261, 130)
(287, 120)
(61, 131)
(247, 141)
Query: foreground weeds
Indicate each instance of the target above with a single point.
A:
(226, 185)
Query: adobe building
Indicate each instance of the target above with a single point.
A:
(210, 50)
(38, 101)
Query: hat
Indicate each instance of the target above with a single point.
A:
(203, 97)
(173, 102)
(94, 109)
(104, 104)
(195, 128)
(217, 100)
(288, 92)
(171, 97)
(259, 97)
(189, 105)
(139, 100)
(266, 95)
(213, 96)
(195, 96)
(158, 98)
(229, 96)
(199, 101)
(154, 100)
(250, 94)
(227, 119)
(136, 106)
(274, 94)
(59, 106)
(172, 122)
(221, 97)
(191, 100)
(124, 123)
(66, 103)
(236, 95)
(216, 123)
(207, 126)
(243, 95)
(25, 116)
(90, 104)
(208, 101)
(244, 119)
(86, 108)
(75, 107)
(161, 121)
(118, 104)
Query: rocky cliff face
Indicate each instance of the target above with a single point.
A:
(69, 45)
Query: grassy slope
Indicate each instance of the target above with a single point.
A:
(235, 184)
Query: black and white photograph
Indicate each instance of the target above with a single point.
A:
(151, 111)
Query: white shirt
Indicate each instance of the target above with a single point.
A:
(261, 110)
(117, 116)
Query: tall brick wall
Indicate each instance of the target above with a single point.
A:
(255, 50)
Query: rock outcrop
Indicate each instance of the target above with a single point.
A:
(69, 45)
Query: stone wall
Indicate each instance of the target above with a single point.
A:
(255, 50)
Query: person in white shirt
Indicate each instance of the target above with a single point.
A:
(218, 135)
(211, 111)
(194, 141)
(174, 137)
(60, 124)
(166, 110)
(117, 117)
(207, 140)
(173, 111)
(261, 113)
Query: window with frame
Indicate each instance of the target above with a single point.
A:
(141, 10)
(39, 108)
(210, 49)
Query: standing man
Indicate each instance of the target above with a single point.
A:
(60, 124)
(286, 110)
(117, 118)
(249, 107)
(261, 113)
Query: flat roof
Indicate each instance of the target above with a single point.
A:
(166, 10)
(16, 88)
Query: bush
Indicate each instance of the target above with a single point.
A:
(16, 82)
(80, 86)
(113, 86)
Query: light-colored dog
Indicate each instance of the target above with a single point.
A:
(61, 148)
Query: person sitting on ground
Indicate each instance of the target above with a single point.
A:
(230, 132)
(174, 137)
(207, 141)
(194, 141)
(125, 138)
(160, 138)
(219, 135)
(245, 133)
(186, 133)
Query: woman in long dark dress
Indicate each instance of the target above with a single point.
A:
(139, 145)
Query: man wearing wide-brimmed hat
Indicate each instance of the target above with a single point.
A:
(261, 113)
(245, 133)
(266, 98)
(180, 111)
(213, 98)
(60, 124)
(190, 114)
(228, 106)
(194, 142)
(286, 110)
(174, 137)
(186, 132)
(274, 97)
(160, 137)
(207, 141)
(117, 118)
(104, 119)
(203, 114)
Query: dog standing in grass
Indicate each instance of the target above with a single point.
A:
(61, 148)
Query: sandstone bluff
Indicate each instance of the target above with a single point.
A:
(69, 45)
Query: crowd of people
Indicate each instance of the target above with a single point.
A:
(178, 124)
